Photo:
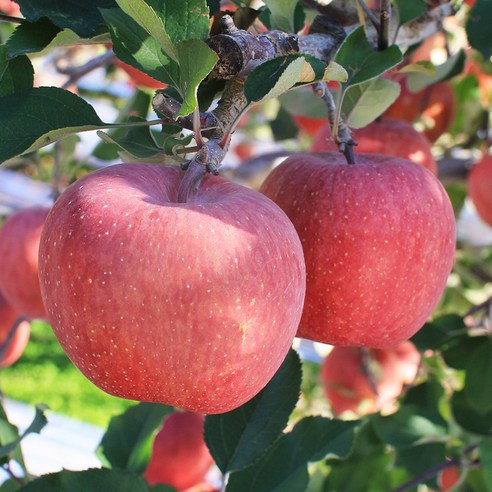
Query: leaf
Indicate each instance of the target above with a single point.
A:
(467, 417)
(16, 76)
(409, 10)
(31, 37)
(95, 480)
(196, 61)
(410, 426)
(361, 61)
(128, 440)
(302, 101)
(41, 116)
(416, 81)
(439, 332)
(133, 45)
(145, 16)
(478, 27)
(35, 427)
(282, 14)
(10, 486)
(9, 433)
(274, 77)
(312, 439)
(335, 72)
(485, 450)
(84, 18)
(479, 377)
(237, 439)
(457, 352)
(363, 103)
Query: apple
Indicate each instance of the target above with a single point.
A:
(480, 188)
(309, 125)
(190, 304)
(385, 136)
(434, 106)
(138, 77)
(9, 7)
(378, 239)
(449, 477)
(347, 385)
(19, 244)
(15, 346)
(180, 456)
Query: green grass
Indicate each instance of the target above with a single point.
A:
(44, 374)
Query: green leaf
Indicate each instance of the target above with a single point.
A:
(302, 101)
(410, 426)
(485, 449)
(439, 332)
(83, 18)
(467, 417)
(360, 59)
(282, 14)
(31, 37)
(274, 77)
(478, 27)
(8, 433)
(133, 45)
(93, 480)
(128, 440)
(479, 376)
(312, 439)
(16, 75)
(10, 486)
(196, 61)
(426, 395)
(409, 10)
(41, 116)
(145, 16)
(416, 81)
(35, 427)
(457, 352)
(237, 439)
(363, 103)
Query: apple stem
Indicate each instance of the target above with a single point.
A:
(367, 360)
(225, 481)
(384, 24)
(10, 335)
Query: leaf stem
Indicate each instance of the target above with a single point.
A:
(10, 18)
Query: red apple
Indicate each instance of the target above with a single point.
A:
(347, 385)
(434, 106)
(450, 476)
(180, 456)
(10, 8)
(378, 239)
(311, 126)
(191, 304)
(19, 244)
(11, 346)
(480, 188)
(138, 77)
(385, 136)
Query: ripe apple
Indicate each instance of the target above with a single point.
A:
(17, 343)
(180, 456)
(480, 188)
(434, 106)
(450, 476)
(19, 244)
(385, 136)
(138, 77)
(347, 385)
(191, 304)
(378, 239)
(311, 126)
(10, 8)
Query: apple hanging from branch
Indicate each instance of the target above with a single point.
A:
(378, 239)
(192, 304)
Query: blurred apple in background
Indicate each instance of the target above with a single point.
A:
(480, 188)
(384, 136)
(346, 382)
(19, 245)
(180, 456)
(10, 8)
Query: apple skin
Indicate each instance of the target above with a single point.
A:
(378, 239)
(449, 477)
(19, 244)
(311, 126)
(10, 8)
(190, 304)
(180, 456)
(480, 188)
(9, 316)
(385, 136)
(435, 105)
(138, 77)
(347, 386)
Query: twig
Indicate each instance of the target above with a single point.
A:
(384, 23)
(370, 14)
